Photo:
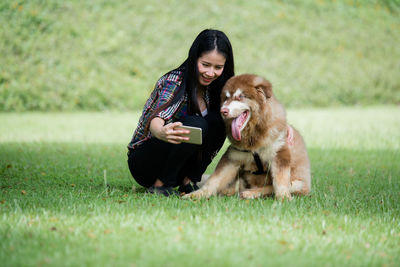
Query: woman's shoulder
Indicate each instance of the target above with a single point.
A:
(173, 76)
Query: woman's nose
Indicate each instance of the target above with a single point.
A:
(210, 72)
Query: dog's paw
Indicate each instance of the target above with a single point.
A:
(197, 194)
(250, 194)
(282, 193)
(283, 196)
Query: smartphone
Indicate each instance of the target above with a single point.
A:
(195, 136)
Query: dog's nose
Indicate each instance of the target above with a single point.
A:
(224, 111)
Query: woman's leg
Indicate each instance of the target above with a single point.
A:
(212, 142)
(182, 155)
(145, 161)
(156, 159)
(215, 138)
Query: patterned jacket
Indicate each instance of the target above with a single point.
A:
(163, 92)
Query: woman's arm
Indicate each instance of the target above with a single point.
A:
(167, 132)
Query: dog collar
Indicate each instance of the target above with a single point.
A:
(257, 159)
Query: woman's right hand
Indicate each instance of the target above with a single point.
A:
(168, 132)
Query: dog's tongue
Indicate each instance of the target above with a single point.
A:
(237, 124)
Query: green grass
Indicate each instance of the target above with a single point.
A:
(102, 55)
(55, 209)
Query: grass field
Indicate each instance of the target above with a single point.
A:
(66, 199)
(102, 55)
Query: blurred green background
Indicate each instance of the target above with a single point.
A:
(107, 55)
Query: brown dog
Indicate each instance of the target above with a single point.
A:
(266, 154)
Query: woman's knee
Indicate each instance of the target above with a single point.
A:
(139, 177)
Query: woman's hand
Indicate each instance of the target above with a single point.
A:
(168, 132)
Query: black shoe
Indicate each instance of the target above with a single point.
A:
(162, 190)
(188, 188)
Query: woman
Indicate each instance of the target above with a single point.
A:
(188, 95)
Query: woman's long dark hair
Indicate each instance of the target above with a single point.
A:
(207, 41)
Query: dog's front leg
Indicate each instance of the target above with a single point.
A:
(281, 174)
(225, 173)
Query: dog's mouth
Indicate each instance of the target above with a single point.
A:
(238, 124)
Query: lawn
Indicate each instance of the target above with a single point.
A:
(67, 198)
(107, 55)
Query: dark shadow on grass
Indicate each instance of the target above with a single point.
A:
(343, 181)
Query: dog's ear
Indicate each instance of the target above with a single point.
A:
(263, 85)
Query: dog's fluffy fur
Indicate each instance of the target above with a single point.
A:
(256, 122)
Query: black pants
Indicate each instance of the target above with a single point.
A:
(171, 163)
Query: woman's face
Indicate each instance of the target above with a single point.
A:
(210, 65)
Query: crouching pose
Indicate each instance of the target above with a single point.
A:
(160, 157)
